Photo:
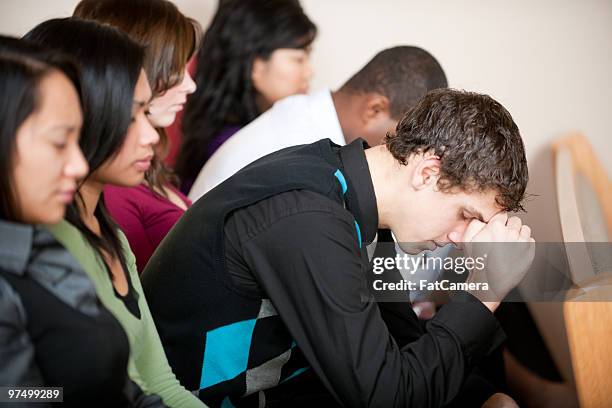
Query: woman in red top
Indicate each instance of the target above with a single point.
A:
(147, 212)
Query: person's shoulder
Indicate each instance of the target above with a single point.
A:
(141, 188)
(130, 258)
(69, 236)
(11, 307)
(297, 201)
(117, 194)
(305, 205)
(294, 107)
(64, 231)
(294, 119)
(74, 241)
(293, 100)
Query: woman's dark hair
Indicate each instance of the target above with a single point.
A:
(23, 66)
(241, 31)
(169, 39)
(110, 65)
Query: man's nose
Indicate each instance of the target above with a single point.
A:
(456, 235)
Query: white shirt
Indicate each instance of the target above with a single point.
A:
(295, 120)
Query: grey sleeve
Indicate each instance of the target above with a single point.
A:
(18, 367)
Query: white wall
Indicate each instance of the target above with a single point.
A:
(548, 61)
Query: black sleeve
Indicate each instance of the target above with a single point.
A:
(17, 360)
(18, 366)
(310, 266)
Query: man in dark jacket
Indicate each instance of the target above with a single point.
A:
(263, 283)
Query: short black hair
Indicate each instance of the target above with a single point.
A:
(404, 74)
(479, 145)
(23, 65)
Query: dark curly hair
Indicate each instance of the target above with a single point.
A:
(479, 145)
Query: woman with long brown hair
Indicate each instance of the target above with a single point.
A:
(146, 213)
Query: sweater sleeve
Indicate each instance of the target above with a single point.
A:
(151, 362)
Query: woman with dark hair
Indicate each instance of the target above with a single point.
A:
(254, 53)
(53, 330)
(146, 213)
(117, 141)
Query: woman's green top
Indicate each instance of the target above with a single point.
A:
(148, 365)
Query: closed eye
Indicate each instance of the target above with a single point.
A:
(466, 216)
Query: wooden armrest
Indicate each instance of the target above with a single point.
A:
(589, 334)
(595, 289)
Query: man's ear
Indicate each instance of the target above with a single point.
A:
(376, 120)
(375, 107)
(426, 172)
